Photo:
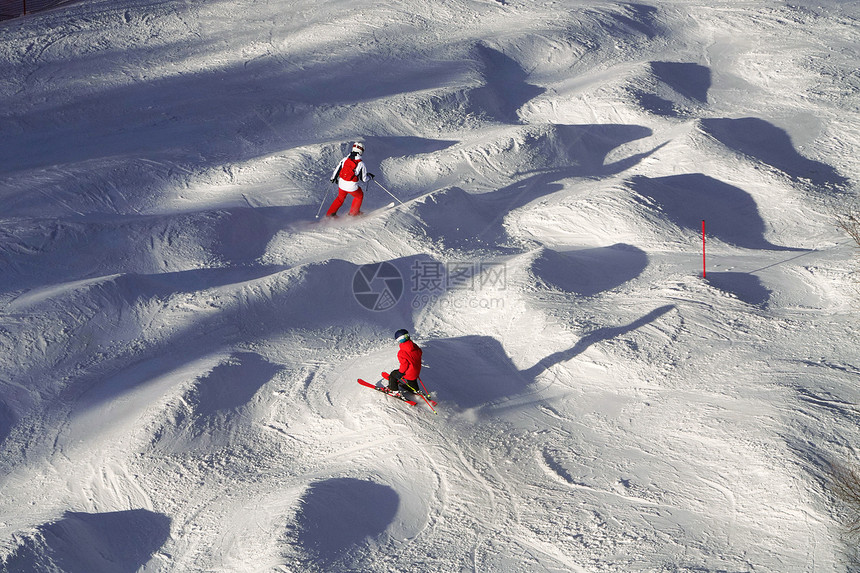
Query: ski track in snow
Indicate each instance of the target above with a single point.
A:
(180, 336)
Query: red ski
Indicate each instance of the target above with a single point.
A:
(385, 391)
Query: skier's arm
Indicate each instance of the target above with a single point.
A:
(404, 362)
(336, 172)
(361, 171)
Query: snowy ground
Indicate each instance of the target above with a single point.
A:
(181, 338)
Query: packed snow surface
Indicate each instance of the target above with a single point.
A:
(181, 335)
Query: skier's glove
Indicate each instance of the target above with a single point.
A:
(371, 175)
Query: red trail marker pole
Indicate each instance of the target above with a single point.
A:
(704, 272)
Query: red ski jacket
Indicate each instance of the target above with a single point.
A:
(409, 356)
(350, 171)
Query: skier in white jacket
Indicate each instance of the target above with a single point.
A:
(348, 173)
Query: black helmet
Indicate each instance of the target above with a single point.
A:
(401, 335)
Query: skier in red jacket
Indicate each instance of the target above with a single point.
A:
(409, 356)
(348, 173)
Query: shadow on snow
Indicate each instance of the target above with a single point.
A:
(769, 144)
(746, 287)
(731, 213)
(338, 515)
(475, 371)
(588, 272)
(118, 542)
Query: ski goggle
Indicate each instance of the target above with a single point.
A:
(403, 338)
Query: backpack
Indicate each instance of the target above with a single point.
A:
(349, 168)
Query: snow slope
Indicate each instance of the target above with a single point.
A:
(181, 336)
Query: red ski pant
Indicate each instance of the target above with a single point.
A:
(395, 379)
(354, 208)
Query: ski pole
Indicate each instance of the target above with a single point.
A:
(323, 202)
(425, 395)
(423, 387)
(429, 405)
(387, 191)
